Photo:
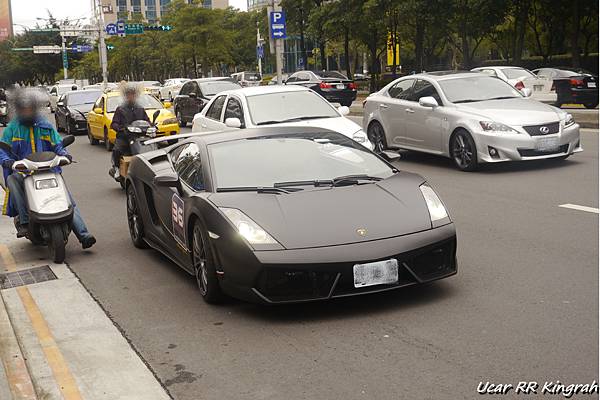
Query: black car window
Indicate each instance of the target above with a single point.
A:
(188, 166)
(99, 103)
(289, 80)
(401, 90)
(234, 110)
(423, 88)
(185, 90)
(195, 89)
(214, 112)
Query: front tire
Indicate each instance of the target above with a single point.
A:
(91, 138)
(463, 151)
(134, 220)
(182, 123)
(204, 267)
(56, 243)
(376, 135)
(107, 144)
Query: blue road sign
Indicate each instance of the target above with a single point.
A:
(81, 48)
(65, 60)
(277, 22)
(260, 52)
(121, 28)
(111, 29)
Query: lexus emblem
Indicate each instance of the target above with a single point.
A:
(361, 232)
(544, 129)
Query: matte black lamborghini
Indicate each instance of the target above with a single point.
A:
(291, 214)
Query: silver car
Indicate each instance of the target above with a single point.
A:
(470, 117)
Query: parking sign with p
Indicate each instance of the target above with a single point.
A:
(277, 23)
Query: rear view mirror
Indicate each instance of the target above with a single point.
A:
(233, 123)
(428, 102)
(169, 180)
(526, 92)
(60, 104)
(390, 155)
(155, 116)
(192, 95)
(97, 110)
(68, 140)
(344, 110)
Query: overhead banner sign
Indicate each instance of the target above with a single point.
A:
(6, 30)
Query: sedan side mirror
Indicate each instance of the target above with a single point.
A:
(155, 116)
(233, 123)
(526, 92)
(390, 155)
(428, 102)
(169, 180)
(167, 104)
(192, 95)
(97, 110)
(60, 104)
(344, 110)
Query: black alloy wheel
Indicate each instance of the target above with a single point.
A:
(376, 136)
(204, 269)
(463, 151)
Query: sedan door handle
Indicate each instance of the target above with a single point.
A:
(383, 106)
(203, 125)
(409, 110)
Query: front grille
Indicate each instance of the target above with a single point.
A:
(535, 153)
(536, 130)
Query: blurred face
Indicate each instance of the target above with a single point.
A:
(130, 97)
(27, 115)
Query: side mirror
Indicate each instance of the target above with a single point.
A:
(233, 123)
(168, 104)
(68, 140)
(193, 95)
(390, 155)
(169, 180)
(428, 102)
(526, 92)
(60, 104)
(344, 110)
(97, 110)
(155, 116)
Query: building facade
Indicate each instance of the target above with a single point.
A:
(151, 10)
(6, 24)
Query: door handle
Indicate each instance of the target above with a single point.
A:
(203, 125)
(383, 106)
(409, 110)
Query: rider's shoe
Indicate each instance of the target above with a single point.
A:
(112, 171)
(22, 230)
(88, 241)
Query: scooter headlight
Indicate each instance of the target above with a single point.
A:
(42, 184)
(134, 129)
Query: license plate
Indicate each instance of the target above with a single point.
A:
(376, 273)
(538, 88)
(340, 86)
(591, 84)
(547, 144)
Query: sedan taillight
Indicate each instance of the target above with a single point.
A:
(519, 85)
(352, 86)
(324, 85)
(576, 82)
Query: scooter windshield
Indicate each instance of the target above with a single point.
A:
(43, 156)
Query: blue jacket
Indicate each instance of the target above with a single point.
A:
(25, 140)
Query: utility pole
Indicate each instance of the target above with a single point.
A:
(99, 12)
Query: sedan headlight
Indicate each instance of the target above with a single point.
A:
(436, 208)
(246, 227)
(569, 120)
(134, 129)
(360, 136)
(491, 126)
(169, 121)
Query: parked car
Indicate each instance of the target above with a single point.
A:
(100, 117)
(571, 87)
(522, 78)
(195, 94)
(256, 107)
(294, 214)
(273, 80)
(58, 90)
(152, 87)
(72, 108)
(247, 78)
(171, 88)
(469, 117)
(332, 85)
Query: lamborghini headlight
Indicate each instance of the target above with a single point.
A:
(436, 208)
(246, 227)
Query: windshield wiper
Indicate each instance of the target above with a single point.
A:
(468, 101)
(295, 119)
(314, 182)
(258, 189)
(354, 179)
(503, 98)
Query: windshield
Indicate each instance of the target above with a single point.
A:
(290, 158)
(64, 89)
(330, 74)
(145, 100)
(214, 87)
(288, 106)
(515, 73)
(477, 88)
(83, 97)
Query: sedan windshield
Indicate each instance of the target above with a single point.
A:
(145, 100)
(292, 160)
(83, 97)
(330, 74)
(214, 87)
(516, 73)
(288, 107)
(477, 88)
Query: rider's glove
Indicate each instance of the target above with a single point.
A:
(8, 164)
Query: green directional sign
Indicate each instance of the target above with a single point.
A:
(134, 29)
(161, 28)
(110, 47)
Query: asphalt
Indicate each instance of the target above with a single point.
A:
(524, 305)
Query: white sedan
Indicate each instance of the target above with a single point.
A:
(259, 106)
(171, 88)
(520, 78)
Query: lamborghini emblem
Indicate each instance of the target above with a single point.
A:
(361, 232)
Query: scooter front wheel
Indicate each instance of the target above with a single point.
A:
(56, 243)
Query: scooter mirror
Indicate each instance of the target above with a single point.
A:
(155, 116)
(68, 140)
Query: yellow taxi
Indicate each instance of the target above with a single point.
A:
(100, 118)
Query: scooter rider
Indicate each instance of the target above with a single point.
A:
(124, 115)
(29, 133)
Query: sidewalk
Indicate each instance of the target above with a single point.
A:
(56, 342)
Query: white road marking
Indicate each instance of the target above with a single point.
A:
(581, 208)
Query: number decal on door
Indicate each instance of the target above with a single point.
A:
(177, 215)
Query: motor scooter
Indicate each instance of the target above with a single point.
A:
(3, 113)
(48, 201)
